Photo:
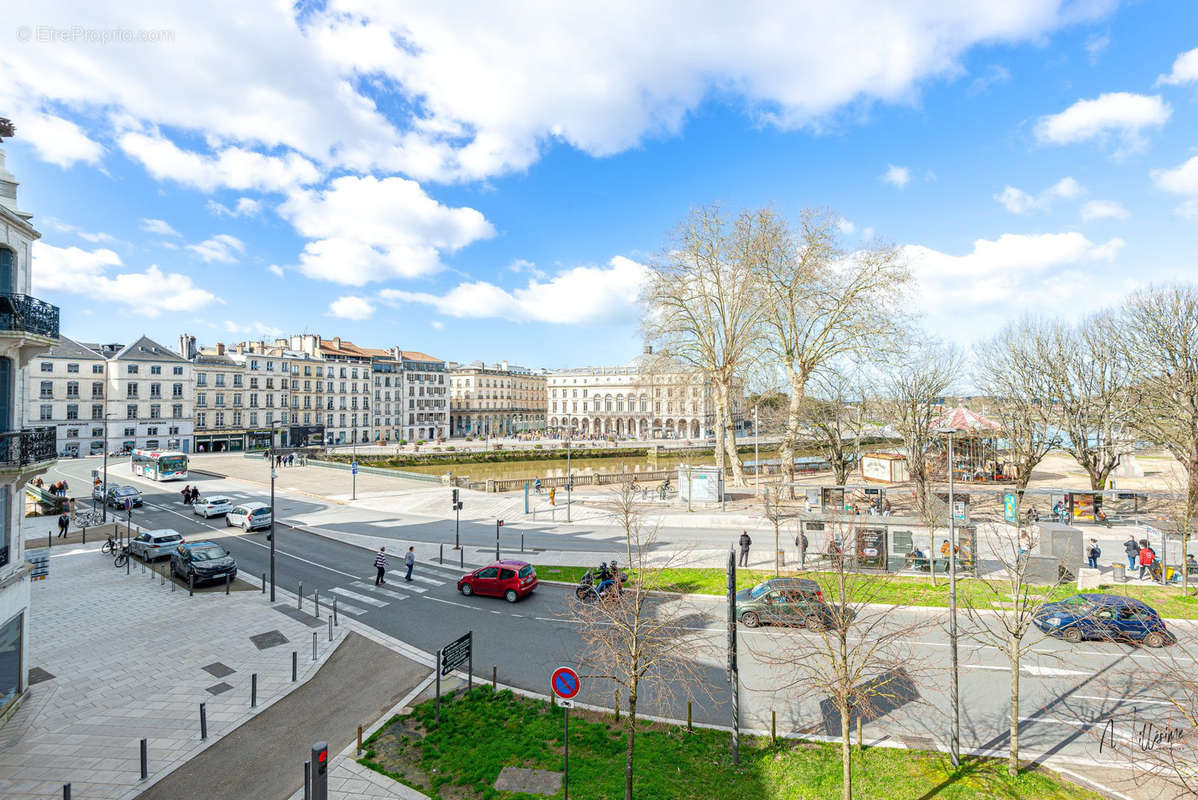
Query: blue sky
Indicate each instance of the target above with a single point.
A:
(486, 183)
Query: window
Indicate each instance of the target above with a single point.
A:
(177, 371)
(202, 379)
(47, 366)
(220, 398)
(72, 411)
(177, 411)
(131, 411)
(254, 418)
(201, 399)
(97, 390)
(201, 420)
(177, 390)
(151, 431)
(97, 412)
(220, 419)
(173, 430)
(47, 389)
(47, 411)
(97, 369)
(236, 417)
(155, 390)
(131, 390)
(73, 368)
(132, 369)
(155, 411)
(156, 369)
(130, 431)
(220, 379)
(97, 431)
(237, 380)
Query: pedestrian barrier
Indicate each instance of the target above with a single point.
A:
(254, 690)
(145, 765)
(203, 721)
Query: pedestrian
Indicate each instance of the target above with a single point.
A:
(552, 496)
(1093, 554)
(71, 506)
(380, 564)
(291, 460)
(409, 560)
(65, 487)
(1147, 556)
(1132, 549)
(195, 495)
(801, 541)
(745, 544)
(186, 495)
(64, 522)
(537, 485)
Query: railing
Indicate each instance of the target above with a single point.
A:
(25, 447)
(25, 314)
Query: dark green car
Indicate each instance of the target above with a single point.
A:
(783, 601)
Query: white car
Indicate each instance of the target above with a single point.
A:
(249, 516)
(212, 506)
(153, 545)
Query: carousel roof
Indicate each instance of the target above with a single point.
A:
(966, 421)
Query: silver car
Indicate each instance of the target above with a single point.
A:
(153, 545)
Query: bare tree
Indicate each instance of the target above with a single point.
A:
(633, 638)
(835, 412)
(1002, 614)
(860, 659)
(701, 310)
(1010, 369)
(913, 386)
(822, 303)
(778, 515)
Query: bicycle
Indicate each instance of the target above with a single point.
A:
(122, 557)
(86, 519)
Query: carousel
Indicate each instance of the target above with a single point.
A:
(975, 447)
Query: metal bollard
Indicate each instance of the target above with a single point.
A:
(85, 542)
(162, 577)
(128, 564)
(191, 585)
(307, 780)
(521, 543)
(299, 597)
(441, 555)
(330, 629)
(689, 726)
(335, 622)
(203, 721)
(316, 599)
(145, 767)
(774, 726)
(66, 791)
(254, 690)
(494, 677)
(462, 558)
(359, 740)
(294, 665)
(313, 645)
(226, 583)
(617, 705)
(263, 583)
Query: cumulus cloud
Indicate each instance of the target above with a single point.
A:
(87, 236)
(351, 307)
(367, 229)
(245, 207)
(1018, 201)
(1185, 70)
(159, 227)
(897, 177)
(231, 167)
(275, 269)
(1103, 209)
(60, 141)
(1181, 180)
(578, 295)
(1119, 116)
(87, 272)
(255, 328)
(846, 226)
(222, 248)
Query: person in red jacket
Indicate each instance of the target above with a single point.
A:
(1147, 557)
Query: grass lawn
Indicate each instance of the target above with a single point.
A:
(480, 735)
(899, 590)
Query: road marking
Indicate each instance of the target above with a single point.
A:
(346, 608)
(423, 579)
(1029, 669)
(452, 603)
(380, 590)
(361, 598)
(1124, 700)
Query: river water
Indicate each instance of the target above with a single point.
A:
(557, 467)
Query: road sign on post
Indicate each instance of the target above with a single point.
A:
(320, 771)
(566, 685)
(450, 657)
(353, 467)
(498, 525)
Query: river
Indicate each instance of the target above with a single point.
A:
(557, 467)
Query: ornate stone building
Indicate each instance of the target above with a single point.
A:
(495, 400)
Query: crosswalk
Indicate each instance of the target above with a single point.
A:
(359, 597)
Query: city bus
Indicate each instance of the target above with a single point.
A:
(160, 466)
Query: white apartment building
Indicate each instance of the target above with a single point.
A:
(67, 387)
(28, 328)
(414, 393)
(495, 400)
(347, 385)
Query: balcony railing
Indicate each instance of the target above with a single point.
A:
(24, 314)
(25, 447)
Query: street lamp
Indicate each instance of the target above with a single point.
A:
(954, 689)
(104, 493)
(353, 466)
(756, 455)
(271, 536)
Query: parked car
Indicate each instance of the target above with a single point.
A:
(118, 496)
(510, 580)
(153, 545)
(202, 561)
(783, 601)
(212, 506)
(1109, 617)
(249, 516)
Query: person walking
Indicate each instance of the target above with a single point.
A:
(1093, 554)
(186, 495)
(801, 541)
(745, 544)
(1132, 549)
(380, 564)
(409, 560)
(1147, 556)
(64, 522)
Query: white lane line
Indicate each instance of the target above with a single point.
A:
(1123, 700)
(451, 603)
(346, 608)
(423, 579)
(379, 590)
(1029, 669)
(361, 598)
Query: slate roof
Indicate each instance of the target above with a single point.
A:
(146, 349)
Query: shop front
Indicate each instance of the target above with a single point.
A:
(306, 435)
(222, 442)
(258, 439)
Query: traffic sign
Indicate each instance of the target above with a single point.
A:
(565, 683)
(456, 653)
(566, 703)
(353, 467)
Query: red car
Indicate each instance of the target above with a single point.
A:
(510, 580)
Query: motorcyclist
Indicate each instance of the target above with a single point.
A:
(605, 580)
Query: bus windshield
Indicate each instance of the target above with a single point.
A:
(172, 463)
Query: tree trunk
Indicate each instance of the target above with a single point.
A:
(1013, 751)
(846, 755)
(628, 752)
(790, 438)
(724, 409)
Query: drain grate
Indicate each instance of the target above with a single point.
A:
(219, 688)
(218, 670)
(269, 639)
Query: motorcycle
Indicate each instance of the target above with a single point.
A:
(601, 584)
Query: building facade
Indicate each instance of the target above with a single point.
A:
(346, 385)
(495, 400)
(67, 387)
(28, 329)
(151, 395)
(220, 410)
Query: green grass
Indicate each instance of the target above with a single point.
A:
(480, 735)
(898, 590)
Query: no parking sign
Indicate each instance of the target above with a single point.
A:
(565, 683)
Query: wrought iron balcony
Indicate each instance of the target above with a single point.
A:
(20, 313)
(25, 447)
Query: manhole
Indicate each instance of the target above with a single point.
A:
(219, 688)
(37, 675)
(265, 640)
(218, 670)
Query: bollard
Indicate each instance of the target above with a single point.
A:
(263, 583)
(335, 622)
(294, 665)
(307, 780)
(860, 745)
(172, 583)
(689, 726)
(299, 597)
(254, 690)
(313, 645)
(226, 583)
(162, 577)
(330, 629)
(128, 564)
(143, 568)
(494, 677)
(617, 705)
(462, 558)
(316, 600)
(773, 726)
(191, 585)
(441, 556)
(521, 543)
(203, 721)
(145, 767)
(359, 740)
(66, 791)
(85, 542)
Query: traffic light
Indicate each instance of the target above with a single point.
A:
(455, 497)
(320, 771)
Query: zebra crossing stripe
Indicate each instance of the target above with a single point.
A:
(361, 598)
(423, 579)
(346, 608)
(379, 590)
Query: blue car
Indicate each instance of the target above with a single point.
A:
(1107, 617)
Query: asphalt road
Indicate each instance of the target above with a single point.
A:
(1067, 691)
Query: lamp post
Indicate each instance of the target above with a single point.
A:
(756, 455)
(271, 536)
(353, 467)
(104, 493)
(954, 688)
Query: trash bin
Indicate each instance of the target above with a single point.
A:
(1120, 573)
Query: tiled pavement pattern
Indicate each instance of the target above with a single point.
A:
(128, 658)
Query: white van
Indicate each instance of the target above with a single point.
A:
(249, 516)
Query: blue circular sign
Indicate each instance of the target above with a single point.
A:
(565, 683)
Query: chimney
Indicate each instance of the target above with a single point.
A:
(503, 365)
(8, 188)
(240, 347)
(187, 346)
(337, 342)
(220, 348)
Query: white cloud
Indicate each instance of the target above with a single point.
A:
(59, 141)
(438, 325)
(275, 269)
(158, 226)
(1103, 209)
(231, 167)
(524, 265)
(1181, 180)
(367, 229)
(222, 247)
(994, 74)
(897, 177)
(87, 236)
(351, 307)
(1122, 116)
(1018, 201)
(1004, 271)
(1185, 70)
(256, 328)
(1096, 45)
(85, 272)
(845, 226)
(578, 295)
(245, 207)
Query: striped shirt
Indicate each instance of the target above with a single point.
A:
(380, 560)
